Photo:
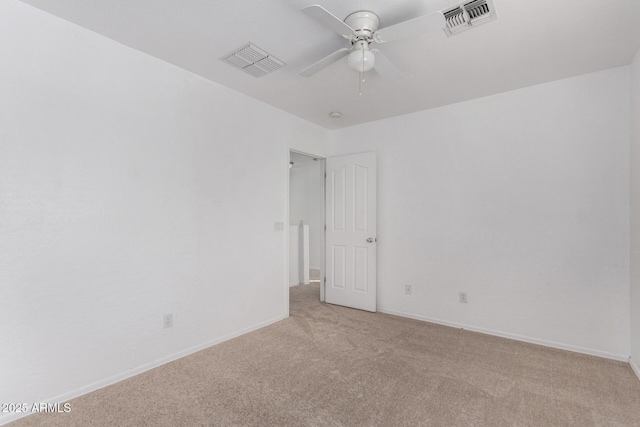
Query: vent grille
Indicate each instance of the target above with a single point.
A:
(253, 60)
(468, 15)
(456, 21)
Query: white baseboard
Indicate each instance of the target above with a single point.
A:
(9, 417)
(606, 355)
(635, 367)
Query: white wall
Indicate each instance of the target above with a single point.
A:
(635, 214)
(306, 192)
(299, 255)
(520, 199)
(129, 188)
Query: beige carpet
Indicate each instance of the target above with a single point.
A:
(333, 366)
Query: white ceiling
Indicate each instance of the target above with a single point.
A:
(531, 42)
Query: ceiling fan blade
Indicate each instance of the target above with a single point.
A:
(430, 22)
(331, 21)
(384, 67)
(324, 62)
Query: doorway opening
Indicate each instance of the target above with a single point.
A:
(306, 220)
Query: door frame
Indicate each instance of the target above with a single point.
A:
(287, 222)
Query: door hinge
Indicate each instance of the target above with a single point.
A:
(325, 280)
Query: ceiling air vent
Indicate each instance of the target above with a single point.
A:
(457, 21)
(468, 15)
(253, 60)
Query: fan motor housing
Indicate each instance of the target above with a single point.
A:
(364, 23)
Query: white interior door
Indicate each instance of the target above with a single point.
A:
(351, 231)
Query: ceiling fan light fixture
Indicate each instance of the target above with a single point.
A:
(361, 59)
(363, 27)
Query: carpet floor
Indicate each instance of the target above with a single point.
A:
(333, 366)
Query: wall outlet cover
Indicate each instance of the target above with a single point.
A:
(167, 321)
(463, 297)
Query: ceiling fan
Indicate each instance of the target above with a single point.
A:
(361, 29)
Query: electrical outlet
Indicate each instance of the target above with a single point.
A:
(407, 289)
(278, 226)
(168, 321)
(463, 297)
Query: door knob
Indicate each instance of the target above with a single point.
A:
(371, 240)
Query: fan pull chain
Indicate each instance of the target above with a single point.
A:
(361, 76)
(363, 65)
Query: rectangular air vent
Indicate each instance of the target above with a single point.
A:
(457, 20)
(253, 60)
(468, 15)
